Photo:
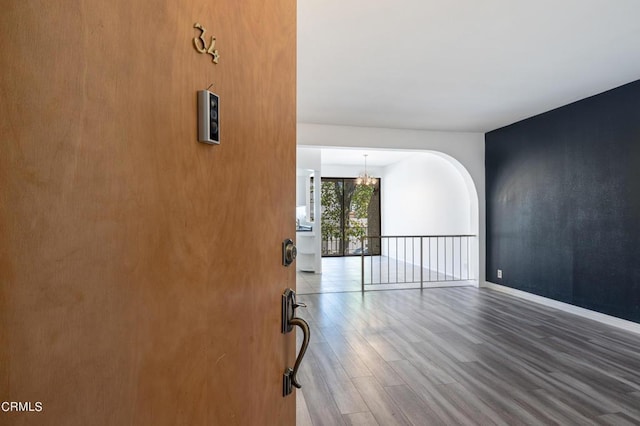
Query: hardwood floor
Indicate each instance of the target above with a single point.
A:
(462, 356)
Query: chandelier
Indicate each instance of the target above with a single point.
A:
(364, 178)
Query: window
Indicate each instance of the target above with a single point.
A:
(349, 212)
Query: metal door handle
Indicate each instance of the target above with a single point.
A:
(289, 320)
(305, 343)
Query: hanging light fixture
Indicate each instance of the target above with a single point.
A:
(364, 178)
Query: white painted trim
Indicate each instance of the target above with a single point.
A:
(566, 307)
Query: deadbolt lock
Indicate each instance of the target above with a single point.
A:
(289, 252)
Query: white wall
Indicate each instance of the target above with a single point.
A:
(425, 195)
(465, 150)
(308, 158)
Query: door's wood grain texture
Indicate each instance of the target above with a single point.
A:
(140, 271)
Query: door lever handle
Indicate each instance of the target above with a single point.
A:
(289, 320)
(305, 344)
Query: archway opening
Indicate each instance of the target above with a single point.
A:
(423, 193)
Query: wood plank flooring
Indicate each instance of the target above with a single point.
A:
(462, 356)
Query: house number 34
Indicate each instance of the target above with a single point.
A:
(200, 43)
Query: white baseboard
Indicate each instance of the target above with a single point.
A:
(566, 307)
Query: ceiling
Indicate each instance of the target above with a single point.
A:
(459, 65)
(375, 157)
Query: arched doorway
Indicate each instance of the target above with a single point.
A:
(422, 193)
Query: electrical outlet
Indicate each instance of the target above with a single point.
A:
(499, 273)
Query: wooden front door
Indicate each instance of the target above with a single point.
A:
(140, 270)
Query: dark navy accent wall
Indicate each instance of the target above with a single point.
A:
(563, 203)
